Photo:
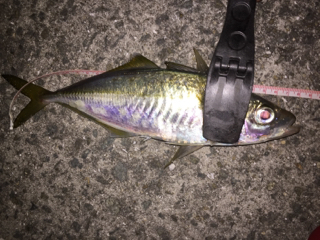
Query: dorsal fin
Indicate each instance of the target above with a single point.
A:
(180, 67)
(137, 62)
(201, 64)
(202, 67)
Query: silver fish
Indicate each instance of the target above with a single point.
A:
(141, 99)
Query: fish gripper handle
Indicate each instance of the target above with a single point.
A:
(231, 74)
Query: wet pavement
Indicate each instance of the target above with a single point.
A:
(62, 177)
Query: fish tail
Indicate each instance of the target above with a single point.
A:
(34, 92)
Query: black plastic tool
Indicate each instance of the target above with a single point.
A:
(231, 74)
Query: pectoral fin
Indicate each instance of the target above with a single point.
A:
(183, 151)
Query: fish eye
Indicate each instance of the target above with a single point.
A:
(264, 115)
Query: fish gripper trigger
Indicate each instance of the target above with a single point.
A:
(231, 74)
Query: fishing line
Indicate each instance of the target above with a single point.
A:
(76, 71)
(269, 90)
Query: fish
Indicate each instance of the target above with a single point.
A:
(141, 99)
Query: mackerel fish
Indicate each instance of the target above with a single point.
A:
(141, 99)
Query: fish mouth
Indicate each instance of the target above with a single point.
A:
(291, 130)
(288, 125)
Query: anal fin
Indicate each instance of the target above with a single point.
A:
(116, 133)
(184, 151)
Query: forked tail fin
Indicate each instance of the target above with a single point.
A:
(33, 92)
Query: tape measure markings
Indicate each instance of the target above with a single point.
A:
(289, 92)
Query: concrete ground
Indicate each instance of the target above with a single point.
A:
(61, 177)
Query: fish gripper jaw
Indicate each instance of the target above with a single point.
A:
(231, 74)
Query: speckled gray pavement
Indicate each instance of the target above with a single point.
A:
(61, 177)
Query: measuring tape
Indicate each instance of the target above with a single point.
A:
(289, 92)
(278, 91)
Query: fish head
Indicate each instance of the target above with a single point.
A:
(266, 121)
